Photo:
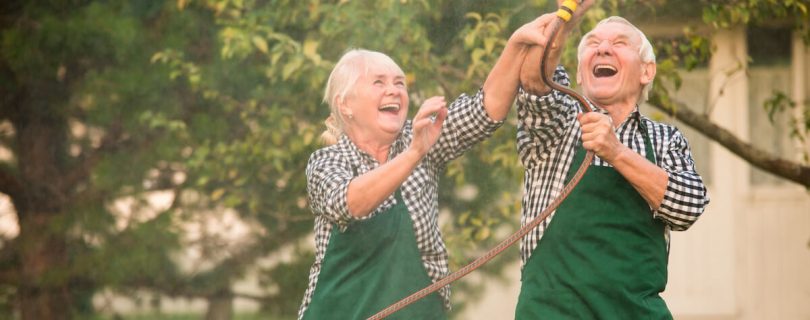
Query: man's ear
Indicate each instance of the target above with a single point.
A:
(579, 76)
(648, 70)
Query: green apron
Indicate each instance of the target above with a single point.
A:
(371, 265)
(603, 256)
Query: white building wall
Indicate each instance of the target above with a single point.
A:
(702, 258)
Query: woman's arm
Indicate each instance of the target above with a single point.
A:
(543, 121)
(367, 191)
(502, 82)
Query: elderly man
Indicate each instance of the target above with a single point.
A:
(603, 253)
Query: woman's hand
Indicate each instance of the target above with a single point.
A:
(534, 33)
(530, 71)
(537, 32)
(427, 124)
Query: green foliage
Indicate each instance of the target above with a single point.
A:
(287, 277)
(778, 103)
(724, 13)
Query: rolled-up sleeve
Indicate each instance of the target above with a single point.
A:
(685, 198)
(542, 120)
(467, 123)
(327, 185)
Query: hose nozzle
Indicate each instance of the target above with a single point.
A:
(567, 10)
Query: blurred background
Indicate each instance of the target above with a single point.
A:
(152, 153)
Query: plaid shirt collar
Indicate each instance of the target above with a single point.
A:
(347, 145)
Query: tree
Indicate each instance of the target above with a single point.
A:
(215, 106)
(114, 101)
(790, 14)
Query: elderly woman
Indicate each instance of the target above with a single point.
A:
(374, 191)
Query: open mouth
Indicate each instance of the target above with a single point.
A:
(604, 70)
(391, 108)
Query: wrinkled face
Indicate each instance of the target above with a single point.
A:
(378, 104)
(610, 68)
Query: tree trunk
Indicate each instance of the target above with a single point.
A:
(220, 306)
(789, 170)
(43, 293)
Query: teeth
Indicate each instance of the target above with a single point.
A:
(606, 66)
(390, 107)
(604, 70)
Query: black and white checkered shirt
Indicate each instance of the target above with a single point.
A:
(547, 136)
(330, 170)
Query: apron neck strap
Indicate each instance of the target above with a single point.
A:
(398, 195)
(648, 148)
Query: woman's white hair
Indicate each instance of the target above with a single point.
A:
(645, 51)
(351, 66)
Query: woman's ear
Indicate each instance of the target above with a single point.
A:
(345, 110)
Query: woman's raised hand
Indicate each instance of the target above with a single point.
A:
(427, 124)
